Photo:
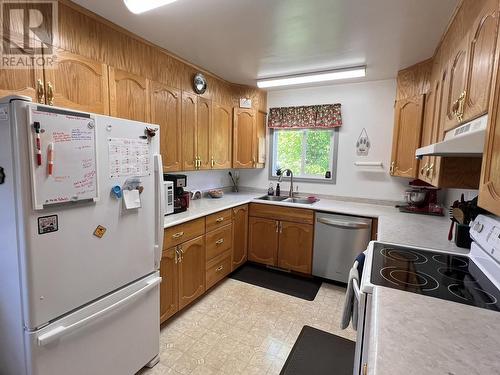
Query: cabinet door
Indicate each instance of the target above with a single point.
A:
(455, 85)
(263, 241)
(489, 189)
(481, 60)
(240, 236)
(427, 128)
(191, 270)
(189, 111)
(129, 95)
(78, 83)
(28, 81)
(295, 246)
(260, 139)
(244, 132)
(204, 123)
(221, 137)
(169, 288)
(166, 112)
(406, 138)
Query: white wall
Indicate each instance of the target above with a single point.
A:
(364, 105)
(205, 180)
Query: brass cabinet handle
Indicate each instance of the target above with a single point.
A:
(393, 167)
(175, 259)
(253, 162)
(212, 162)
(277, 226)
(422, 171)
(50, 94)
(179, 256)
(281, 227)
(365, 369)
(178, 234)
(220, 219)
(218, 242)
(220, 268)
(458, 106)
(430, 169)
(40, 91)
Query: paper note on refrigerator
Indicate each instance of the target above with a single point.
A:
(128, 157)
(131, 199)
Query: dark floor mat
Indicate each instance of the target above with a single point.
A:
(320, 353)
(278, 281)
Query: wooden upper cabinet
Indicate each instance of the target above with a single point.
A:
(295, 246)
(129, 95)
(28, 82)
(169, 290)
(166, 112)
(244, 138)
(78, 83)
(204, 123)
(221, 134)
(191, 269)
(455, 87)
(263, 241)
(240, 236)
(406, 137)
(189, 121)
(481, 61)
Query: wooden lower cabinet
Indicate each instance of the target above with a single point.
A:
(295, 247)
(280, 243)
(263, 241)
(191, 267)
(240, 236)
(169, 289)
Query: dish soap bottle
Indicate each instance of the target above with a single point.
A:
(270, 191)
(278, 191)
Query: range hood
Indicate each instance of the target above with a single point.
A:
(466, 141)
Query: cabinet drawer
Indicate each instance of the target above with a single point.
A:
(219, 241)
(218, 268)
(270, 211)
(219, 219)
(183, 232)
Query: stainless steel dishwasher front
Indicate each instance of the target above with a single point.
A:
(338, 239)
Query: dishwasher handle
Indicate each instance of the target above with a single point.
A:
(343, 224)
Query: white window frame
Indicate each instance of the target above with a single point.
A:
(297, 176)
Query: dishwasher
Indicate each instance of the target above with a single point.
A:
(338, 240)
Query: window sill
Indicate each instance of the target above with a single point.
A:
(311, 180)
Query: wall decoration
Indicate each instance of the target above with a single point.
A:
(363, 144)
(199, 83)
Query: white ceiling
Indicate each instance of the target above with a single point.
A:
(242, 40)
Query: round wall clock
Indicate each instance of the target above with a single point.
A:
(199, 83)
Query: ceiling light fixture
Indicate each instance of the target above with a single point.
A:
(141, 6)
(331, 75)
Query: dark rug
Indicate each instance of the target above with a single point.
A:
(320, 353)
(278, 281)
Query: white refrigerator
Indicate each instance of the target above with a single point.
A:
(81, 232)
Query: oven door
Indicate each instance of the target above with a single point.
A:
(363, 332)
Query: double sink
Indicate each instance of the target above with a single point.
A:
(274, 198)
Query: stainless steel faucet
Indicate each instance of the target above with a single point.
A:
(288, 171)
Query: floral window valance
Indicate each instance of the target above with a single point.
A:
(324, 116)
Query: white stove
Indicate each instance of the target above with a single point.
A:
(472, 279)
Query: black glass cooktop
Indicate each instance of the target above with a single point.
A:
(444, 276)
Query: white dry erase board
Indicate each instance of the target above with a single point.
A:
(74, 171)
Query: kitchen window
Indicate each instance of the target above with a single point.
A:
(311, 154)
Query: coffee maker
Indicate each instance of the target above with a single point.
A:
(181, 197)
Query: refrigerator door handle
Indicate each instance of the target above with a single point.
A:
(57, 332)
(160, 209)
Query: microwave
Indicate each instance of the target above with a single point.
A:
(168, 188)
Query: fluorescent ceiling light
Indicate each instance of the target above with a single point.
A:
(331, 75)
(141, 6)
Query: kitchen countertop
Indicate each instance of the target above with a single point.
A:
(393, 226)
(414, 334)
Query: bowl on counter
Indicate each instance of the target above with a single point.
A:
(216, 193)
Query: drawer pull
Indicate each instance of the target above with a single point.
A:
(220, 219)
(218, 242)
(220, 268)
(178, 234)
